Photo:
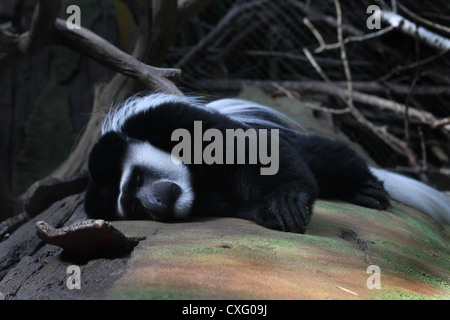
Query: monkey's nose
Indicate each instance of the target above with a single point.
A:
(166, 192)
(158, 199)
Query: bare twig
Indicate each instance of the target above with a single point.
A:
(348, 74)
(421, 62)
(412, 65)
(444, 171)
(316, 15)
(315, 32)
(441, 123)
(325, 109)
(347, 290)
(370, 87)
(395, 143)
(411, 90)
(300, 57)
(295, 95)
(288, 93)
(316, 66)
(423, 20)
(359, 38)
(394, 5)
(424, 164)
(355, 39)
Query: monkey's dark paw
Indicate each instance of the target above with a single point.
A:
(371, 195)
(288, 211)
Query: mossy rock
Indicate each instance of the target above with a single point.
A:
(230, 258)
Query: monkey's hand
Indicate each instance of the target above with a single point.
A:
(287, 210)
(371, 195)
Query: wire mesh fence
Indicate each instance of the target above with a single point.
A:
(295, 43)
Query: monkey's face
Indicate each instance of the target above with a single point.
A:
(132, 179)
(152, 186)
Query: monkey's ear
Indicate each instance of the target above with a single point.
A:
(106, 158)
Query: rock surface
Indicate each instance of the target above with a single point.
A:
(236, 259)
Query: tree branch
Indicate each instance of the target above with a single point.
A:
(423, 20)
(14, 47)
(395, 143)
(404, 25)
(88, 43)
(44, 16)
(46, 29)
(323, 46)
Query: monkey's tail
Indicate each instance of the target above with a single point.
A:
(415, 194)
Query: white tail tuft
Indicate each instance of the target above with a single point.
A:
(416, 195)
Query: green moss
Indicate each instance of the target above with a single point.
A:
(410, 261)
(154, 293)
(214, 249)
(349, 210)
(426, 230)
(277, 248)
(395, 294)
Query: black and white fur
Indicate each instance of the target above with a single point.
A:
(134, 177)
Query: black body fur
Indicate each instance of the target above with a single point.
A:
(309, 167)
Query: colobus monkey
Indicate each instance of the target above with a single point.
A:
(136, 175)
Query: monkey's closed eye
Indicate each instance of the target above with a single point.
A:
(136, 179)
